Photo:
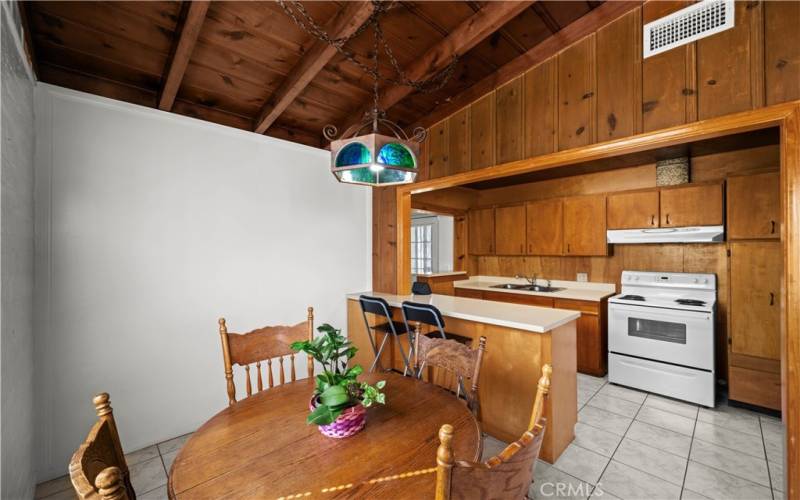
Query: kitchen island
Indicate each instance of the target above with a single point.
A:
(519, 340)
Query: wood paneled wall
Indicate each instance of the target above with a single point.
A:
(600, 88)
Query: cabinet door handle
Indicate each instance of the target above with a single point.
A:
(522, 249)
(530, 248)
(667, 218)
(652, 220)
(772, 227)
(567, 247)
(771, 299)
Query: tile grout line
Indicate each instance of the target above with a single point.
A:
(618, 444)
(689, 458)
(766, 457)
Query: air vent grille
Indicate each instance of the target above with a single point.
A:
(687, 25)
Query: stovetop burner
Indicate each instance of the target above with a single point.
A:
(690, 302)
(632, 297)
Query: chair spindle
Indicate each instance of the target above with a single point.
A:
(249, 386)
(291, 356)
(282, 377)
(260, 383)
(269, 375)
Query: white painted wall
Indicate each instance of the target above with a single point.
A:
(445, 246)
(16, 261)
(150, 226)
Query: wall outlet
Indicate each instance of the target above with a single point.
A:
(583, 277)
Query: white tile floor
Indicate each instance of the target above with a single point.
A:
(149, 468)
(628, 445)
(634, 445)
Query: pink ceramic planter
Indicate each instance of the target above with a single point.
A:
(348, 423)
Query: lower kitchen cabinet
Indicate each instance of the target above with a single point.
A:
(591, 327)
(592, 334)
(754, 337)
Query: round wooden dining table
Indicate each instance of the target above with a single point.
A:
(261, 447)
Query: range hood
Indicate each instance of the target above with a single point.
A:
(697, 234)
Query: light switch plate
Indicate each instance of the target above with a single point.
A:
(583, 277)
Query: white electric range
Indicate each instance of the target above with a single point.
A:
(661, 334)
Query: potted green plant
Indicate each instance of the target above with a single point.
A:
(339, 400)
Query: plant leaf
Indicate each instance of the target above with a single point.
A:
(322, 415)
(334, 395)
(380, 384)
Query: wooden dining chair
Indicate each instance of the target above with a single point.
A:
(263, 344)
(98, 469)
(448, 363)
(504, 476)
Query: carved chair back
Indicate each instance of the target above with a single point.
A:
(450, 364)
(98, 469)
(507, 475)
(264, 344)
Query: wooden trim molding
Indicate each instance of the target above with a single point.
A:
(182, 52)
(786, 117)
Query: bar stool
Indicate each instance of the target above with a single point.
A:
(429, 315)
(390, 328)
(420, 288)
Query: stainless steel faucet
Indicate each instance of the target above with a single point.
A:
(531, 281)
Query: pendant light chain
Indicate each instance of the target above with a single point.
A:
(298, 13)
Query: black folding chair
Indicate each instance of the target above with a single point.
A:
(380, 308)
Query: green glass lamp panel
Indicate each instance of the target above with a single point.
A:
(358, 175)
(393, 176)
(354, 153)
(396, 155)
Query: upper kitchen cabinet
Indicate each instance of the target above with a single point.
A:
(585, 225)
(541, 111)
(669, 93)
(730, 69)
(481, 231)
(619, 78)
(545, 227)
(634, 210)
(458, 139)
(782, 51)
(509, 124)
(754, 206)
(692, 205)
(481, 132)
(576, 94)
(509, 230)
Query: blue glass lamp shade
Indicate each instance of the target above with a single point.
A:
(394, 163)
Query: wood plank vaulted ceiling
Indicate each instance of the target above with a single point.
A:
(228, 62)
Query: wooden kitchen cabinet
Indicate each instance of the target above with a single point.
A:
(509, 230)
(692, 205)
(481, 231)
(592, 334)
(635, 210)
(754, 205)
(754, 336)
(585, 225)
(545, 227)
(590, 329)
(576, 89)
(755, 298)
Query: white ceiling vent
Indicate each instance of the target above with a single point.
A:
(692, 23)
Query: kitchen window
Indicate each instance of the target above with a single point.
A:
(424, 256)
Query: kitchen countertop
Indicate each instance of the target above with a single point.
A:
(574, 290)
(521, 317)
(437, 275)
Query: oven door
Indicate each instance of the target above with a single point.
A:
(683, 338)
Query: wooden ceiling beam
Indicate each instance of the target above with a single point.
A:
(464, 37)
(578, 29)
(546, 18)
(347, 21)
(183, 46)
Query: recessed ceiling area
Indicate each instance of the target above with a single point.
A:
(232, 63)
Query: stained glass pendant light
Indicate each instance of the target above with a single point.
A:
(385, 155)
(375, 159)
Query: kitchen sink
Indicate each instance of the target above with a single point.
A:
(529, 288)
